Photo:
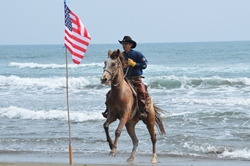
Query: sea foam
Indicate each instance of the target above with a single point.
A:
(239, 153)
(52, 65)
(14, 112)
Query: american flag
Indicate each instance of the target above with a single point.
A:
(76, 38)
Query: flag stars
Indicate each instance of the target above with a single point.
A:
(68, 22)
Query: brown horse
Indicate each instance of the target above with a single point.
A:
(122, 105)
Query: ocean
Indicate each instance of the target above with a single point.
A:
(203, 88)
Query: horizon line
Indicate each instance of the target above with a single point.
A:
(219, 41)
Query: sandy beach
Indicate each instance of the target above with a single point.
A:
(175, 162)
(17, 159)
(45, 164)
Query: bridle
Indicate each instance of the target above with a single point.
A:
(115, 71)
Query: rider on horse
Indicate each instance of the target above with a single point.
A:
(136, 63)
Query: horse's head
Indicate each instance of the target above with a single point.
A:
(112, 65)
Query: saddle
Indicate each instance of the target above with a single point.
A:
(131, 87)
(134, 90)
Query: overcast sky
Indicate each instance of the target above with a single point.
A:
(146, 21)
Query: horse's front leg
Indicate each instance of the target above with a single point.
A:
(117, 135)
(106, 128)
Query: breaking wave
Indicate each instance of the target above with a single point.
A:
(14, 112)
(169, 82)
(174, 82)
(52, 66)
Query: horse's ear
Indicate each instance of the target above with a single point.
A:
(117, 53)
(109, 52)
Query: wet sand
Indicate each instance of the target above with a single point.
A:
(17, 159)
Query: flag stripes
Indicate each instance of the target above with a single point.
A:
(76, 38)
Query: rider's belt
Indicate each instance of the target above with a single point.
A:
(135, 77)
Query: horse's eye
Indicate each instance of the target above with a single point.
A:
(113, 64)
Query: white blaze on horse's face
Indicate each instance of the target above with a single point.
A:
(108, 71)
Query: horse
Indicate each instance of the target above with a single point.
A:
(122, 105)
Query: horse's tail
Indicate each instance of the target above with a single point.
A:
(158, 120)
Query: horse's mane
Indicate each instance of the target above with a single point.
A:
(118, 54)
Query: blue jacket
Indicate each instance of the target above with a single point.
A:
(141, 63)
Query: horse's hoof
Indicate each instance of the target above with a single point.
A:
(153, 161)
(130, 160)
(112, 154)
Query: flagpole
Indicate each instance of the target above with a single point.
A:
(74, 36)
(67, 97)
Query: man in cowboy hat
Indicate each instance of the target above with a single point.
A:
(136, 62)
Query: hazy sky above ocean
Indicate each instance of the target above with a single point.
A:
(42, 21)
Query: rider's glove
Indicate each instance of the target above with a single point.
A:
(131, 62)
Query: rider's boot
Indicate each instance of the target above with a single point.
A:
(142, 111)
(105, 113)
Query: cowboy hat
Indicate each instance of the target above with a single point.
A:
(128, 39)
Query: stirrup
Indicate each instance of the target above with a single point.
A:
(105, 114)
(142, 115)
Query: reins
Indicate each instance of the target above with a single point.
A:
(122, 78)
(112, 73)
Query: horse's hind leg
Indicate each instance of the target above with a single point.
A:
(150, 122)
(131, 131)
(152, 133)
